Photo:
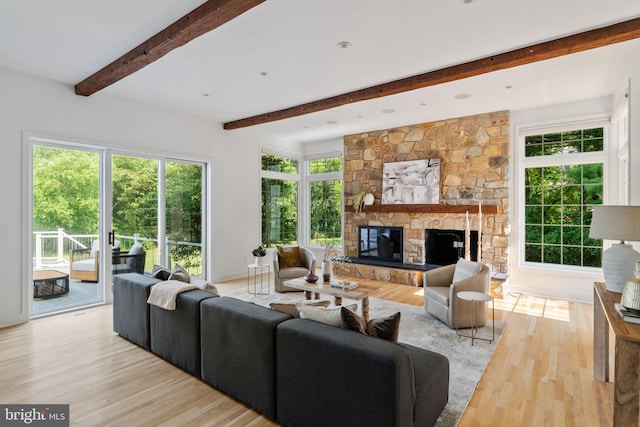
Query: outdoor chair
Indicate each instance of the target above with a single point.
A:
(129, 262)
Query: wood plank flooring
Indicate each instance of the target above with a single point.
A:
(540, 375)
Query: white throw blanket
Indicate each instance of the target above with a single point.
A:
(164, 294)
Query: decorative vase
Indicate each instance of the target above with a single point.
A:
(326, 271)
(310, 277)
(258, 260)
(368, 199)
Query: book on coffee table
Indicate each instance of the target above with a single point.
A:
(344, 284)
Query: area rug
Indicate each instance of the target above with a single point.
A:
(466, 362)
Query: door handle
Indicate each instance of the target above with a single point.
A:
(112, 237)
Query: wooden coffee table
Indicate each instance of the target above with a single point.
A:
(315, 289)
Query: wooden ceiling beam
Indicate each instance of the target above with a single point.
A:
(199, 21)
(616, 33)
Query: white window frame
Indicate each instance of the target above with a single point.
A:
(303, 179)
(556, 160)
(307, 179)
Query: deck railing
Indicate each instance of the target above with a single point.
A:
(52, 248)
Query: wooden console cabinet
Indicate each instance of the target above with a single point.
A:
(626, 384)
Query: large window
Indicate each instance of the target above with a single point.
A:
(280, 179)
(563, 180)
(320, 204)
(325, 201)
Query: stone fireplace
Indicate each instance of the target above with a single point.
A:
(474, 155)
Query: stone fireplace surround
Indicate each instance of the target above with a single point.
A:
(474, 153)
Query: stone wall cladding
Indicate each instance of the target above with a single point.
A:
(474, 168)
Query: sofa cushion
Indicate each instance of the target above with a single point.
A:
(330, 315)
(465, 269)
(238, 351)
(386, 328)
(289, 256)
(84, 265)
(292, 272)
(136, 249)
(439, 294)
(330, 376)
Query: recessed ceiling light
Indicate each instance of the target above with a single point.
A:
(423, 104)
(508, 87)
(263, 73)
(331, 122)
(344, 45)
(467, 1)
(359, 117)
(462, 96)
(205, 94)
(388, 111)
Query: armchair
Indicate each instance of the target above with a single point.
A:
(440, 294)
(83, 263)
(129, 262)
(284, 272)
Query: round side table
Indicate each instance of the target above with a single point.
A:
(475, 298)
(255, 278)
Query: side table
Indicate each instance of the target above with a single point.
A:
(255, 279)
(475, 298)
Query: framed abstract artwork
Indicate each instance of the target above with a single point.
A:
(411, 182)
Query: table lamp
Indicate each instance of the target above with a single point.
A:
(617, 223)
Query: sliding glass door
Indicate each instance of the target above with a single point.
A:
(158, 203)
(97, 213)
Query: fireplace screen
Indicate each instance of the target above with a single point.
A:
(380, 243)
(443, 247)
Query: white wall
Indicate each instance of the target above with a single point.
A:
(43, 107)
(557, 282)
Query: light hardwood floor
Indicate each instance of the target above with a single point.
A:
(540, 375)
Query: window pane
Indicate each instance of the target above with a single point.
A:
(332, 164)
(279, 212)
(326, 213)
(565, 143)
(279, 164)
(557, 226)
(184, 216)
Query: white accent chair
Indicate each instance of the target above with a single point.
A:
(282, 274)
(440, 295)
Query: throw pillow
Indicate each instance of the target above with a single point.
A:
(136, 249)
(465, 269)
(386, 328)
(292, 309)
(160, 272)
(179, 273)
(289, 256)
(330, 315)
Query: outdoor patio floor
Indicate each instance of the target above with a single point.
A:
(80, 294)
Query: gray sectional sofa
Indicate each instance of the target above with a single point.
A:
(296, 372)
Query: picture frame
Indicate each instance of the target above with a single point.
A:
(411, 182)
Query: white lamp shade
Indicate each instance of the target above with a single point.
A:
(617, 223)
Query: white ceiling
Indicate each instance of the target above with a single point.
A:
(284, 52)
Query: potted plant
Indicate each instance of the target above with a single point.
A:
(330, 253)
(259, 253)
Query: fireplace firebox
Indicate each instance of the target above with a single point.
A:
(444, 247)
(380, 243)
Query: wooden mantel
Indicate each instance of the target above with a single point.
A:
(440, 209)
